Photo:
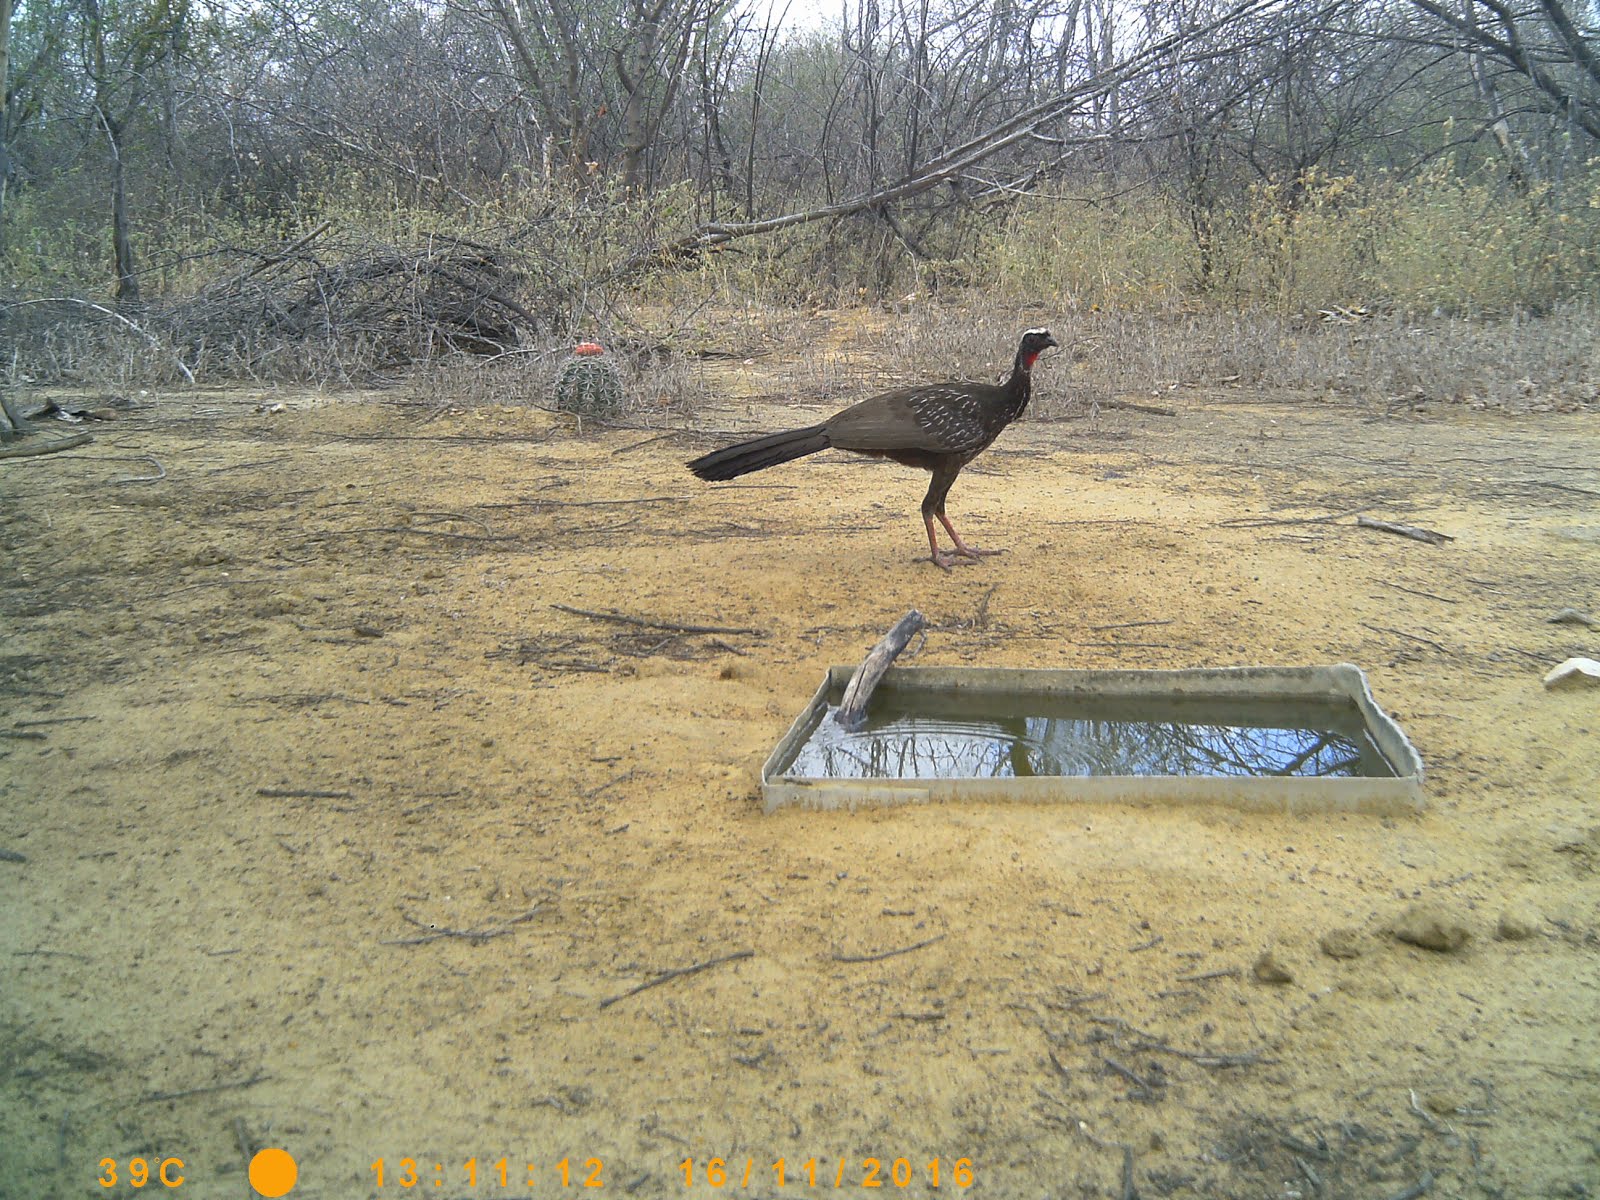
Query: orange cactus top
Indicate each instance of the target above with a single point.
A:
(586, 348)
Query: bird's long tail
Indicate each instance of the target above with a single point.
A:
(760, 453)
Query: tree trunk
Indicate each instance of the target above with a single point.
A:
(121, 240)
(6, 7)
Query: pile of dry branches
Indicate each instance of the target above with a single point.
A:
(401, 304)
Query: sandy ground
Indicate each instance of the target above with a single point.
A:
(286, 722)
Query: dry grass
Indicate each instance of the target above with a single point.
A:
(1515, 363)
(656, 391)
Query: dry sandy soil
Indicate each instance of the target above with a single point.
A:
(285, 723)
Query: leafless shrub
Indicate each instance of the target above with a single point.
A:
(327, 309)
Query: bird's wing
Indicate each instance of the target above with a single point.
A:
(943, 419)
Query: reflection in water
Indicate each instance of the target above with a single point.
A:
(947, 737)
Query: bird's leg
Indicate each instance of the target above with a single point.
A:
(936, 556)
(933, 506)
(962, 548)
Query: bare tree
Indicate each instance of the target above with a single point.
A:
(119, 53)
(6, 9)
(1542, 41)
(604, 77)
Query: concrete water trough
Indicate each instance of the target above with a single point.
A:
(1273, 739)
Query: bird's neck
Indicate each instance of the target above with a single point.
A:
(1019, 385)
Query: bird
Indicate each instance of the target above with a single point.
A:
(939, 427)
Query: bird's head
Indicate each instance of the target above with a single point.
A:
(1034, 343)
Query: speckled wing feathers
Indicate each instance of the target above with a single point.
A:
(942, 419)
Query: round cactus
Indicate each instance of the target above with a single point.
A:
(589, 383)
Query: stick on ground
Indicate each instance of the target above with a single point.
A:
(852, 712)
(866, 958)
(1431, 536)
(677, 973)
(645, 623)
(28, 449)
(475, 936)
(205, 1089)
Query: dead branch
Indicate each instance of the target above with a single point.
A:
(1154, 410)
(161, 472)
(1402, 633)
(852, 712)
(677, 973)
(1257, 522)
(28, 449)
(866, 958)
(154, 1097)
(273, 259)
(400, 303)
(1420, 1188)
(1433, 537)
(645, 623)
(948, 166)
(1413, 591)
(437, 932)
(1146, 1086)
(1129, 1192)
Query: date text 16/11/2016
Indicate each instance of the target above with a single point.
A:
(716, 1172)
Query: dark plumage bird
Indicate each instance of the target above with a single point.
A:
(939, 427)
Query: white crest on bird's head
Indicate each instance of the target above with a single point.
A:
(1034, 343)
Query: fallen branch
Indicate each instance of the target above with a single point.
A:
(646, 623)
(415, 532)
(1402, 633)
(1132, 1076)
(154, 1097)
(1259, 522)
(591, 793)
(852, 712)
(1431, 536)
(1153, 409)
(866, 958)
(677, 973)
(1149, 1042)
(29, 449)
(1420, 1188)
(1399, 587)
(1129, 1192)
(161, 472)
(437, 932)
(300, 243)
